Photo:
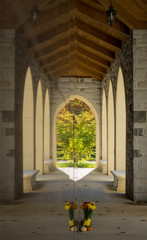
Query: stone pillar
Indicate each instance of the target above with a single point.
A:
(7, 115)
(140, 114)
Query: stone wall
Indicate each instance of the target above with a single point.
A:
(14, 62)
(140, 114)
(23, 60)
(124, 60)
(7, 115)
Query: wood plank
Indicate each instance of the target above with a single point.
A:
(58, 54)
(90, 63)
(49, 16)
(99, 16)
(65, 42)
(90, 69)
(46, 36)
(64, 59)
(107, 39)
(96, 47)
(94, 57)
(61, 42)
(91, 74)
(100, 63)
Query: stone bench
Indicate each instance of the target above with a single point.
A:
(29, 179)
(119, 180)
(103, 166)
(48, 165)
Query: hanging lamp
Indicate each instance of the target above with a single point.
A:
(111, 14)
(35, 14)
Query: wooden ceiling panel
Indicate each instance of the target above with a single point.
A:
(99, 18)
(73, 37)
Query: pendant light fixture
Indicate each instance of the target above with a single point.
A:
(111, 14)
(35, 14)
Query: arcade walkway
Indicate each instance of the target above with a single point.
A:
(40, 215)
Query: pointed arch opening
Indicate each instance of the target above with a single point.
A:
(47, 126)
(76, 131)
(110, 129)
(39, 130)
(28, 123)
(120, 123)
(61, 106)
(104, 127)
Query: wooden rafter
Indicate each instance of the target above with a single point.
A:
(107, 39)
(100, 17)
(122, 14)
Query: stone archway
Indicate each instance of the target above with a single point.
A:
(46, 126)
(110, 129)
(28, 123)
(120, 123)
(39, 130)
(58, 109)
(104, 127)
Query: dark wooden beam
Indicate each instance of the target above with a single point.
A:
(94, 57)
(49, 35)
(89, 73)
(60, 43)
(48, 17)
(95, 47)
(81, 58)
(107, 39)
(68, 52)
(90, 69)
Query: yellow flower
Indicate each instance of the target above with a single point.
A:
(70, 205)
(71, 223)
(67, 206)
(88, 205)
(91, 206)
(87, 222)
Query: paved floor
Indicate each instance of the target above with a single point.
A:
(40, 215)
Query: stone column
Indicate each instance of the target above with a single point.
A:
(7, 115)
(140, 114)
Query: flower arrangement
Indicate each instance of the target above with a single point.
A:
(88, 207)
(71, 206)
(85, 225)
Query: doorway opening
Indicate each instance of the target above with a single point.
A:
(76, 135)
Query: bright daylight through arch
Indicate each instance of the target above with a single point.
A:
(76, 134)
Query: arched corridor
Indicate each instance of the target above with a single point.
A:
(50, 54)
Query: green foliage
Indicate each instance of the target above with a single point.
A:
(76, 132)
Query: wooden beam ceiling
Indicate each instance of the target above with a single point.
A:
(73, 37)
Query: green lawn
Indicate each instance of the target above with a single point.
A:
(80, 164)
